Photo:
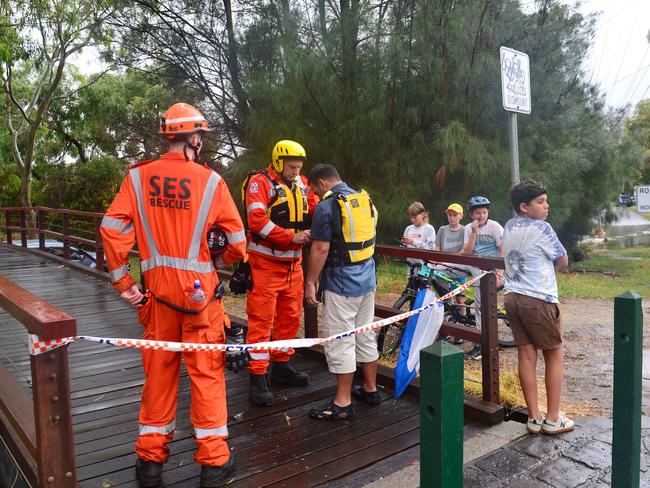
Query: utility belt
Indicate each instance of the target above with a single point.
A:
(218, 295)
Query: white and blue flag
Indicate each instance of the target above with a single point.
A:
(421, 331)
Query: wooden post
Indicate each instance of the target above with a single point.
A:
(489, 339)
(50, 384)
(441, 416)
(23, 228)
(66, 236)
(40, 224)
(52, 414)
(8, 224)
(628, 360)
(99, 245)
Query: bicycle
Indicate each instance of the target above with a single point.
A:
(389, 337)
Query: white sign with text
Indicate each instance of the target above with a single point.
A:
(515, 80)
(643, 198)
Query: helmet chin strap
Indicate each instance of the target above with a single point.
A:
(196, 148)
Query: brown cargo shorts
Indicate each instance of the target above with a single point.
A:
(534, 321)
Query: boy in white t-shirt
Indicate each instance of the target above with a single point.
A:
(532, 255)
(483, 237)
(420, 233)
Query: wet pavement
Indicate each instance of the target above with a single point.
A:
(582, 458)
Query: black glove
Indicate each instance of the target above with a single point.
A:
(241, 279)
(236, 360)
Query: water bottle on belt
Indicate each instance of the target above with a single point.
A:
(197, 295)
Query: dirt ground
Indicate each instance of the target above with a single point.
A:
(589, 353)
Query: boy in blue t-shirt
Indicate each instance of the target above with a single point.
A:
(532, 255)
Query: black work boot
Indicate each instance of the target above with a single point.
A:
(259, 390)
(284, 373)
(148, 473)
(214, 476)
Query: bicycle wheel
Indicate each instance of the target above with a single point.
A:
(506, 339)
(389, 336)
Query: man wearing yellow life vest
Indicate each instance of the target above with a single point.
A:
(278, 205)
(343, 243)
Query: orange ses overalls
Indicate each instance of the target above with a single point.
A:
(168, 206)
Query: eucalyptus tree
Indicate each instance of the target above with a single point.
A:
(37, 41)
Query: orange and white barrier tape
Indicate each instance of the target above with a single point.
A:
(38, 346)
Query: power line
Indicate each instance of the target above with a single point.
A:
(620, 65)
(647, 67)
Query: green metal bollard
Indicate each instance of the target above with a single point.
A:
(441, 416)
(628, 355)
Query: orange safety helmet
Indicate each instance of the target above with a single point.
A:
(182, 119)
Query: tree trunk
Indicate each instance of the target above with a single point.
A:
(233, 67)
(444, 24)
(26, 186)
(349, 40)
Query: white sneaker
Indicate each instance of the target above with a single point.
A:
(534, 426)
(563, 424)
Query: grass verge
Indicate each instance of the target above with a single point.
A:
(607, 273)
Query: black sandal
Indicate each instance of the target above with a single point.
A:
(369, 397)
(332, 412)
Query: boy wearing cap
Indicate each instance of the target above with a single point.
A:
(450, 238)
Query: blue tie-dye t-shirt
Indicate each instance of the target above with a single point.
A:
(531, 248)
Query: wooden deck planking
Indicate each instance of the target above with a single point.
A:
(275, 446)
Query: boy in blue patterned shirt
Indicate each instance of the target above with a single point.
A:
(532, 255)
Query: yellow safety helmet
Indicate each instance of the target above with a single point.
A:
(286, 150)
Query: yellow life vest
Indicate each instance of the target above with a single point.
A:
(354, 241)
(288, 206)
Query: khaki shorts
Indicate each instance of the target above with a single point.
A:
(534, 321)
(344, 313)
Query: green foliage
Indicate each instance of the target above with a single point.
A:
(87, 186)
(404, 98)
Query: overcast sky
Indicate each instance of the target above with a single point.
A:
(619, 59)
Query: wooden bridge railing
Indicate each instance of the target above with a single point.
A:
(487, 337)
(39, 429)
(15, 221)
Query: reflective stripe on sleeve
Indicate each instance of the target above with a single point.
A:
(154, 429)
(118, 273)
(117, 224)
(236, 237)
(176, 263)
(221, 431)
(273, 253)
(267, 229)
(202, 216)
(255, 205)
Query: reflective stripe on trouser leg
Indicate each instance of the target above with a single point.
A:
(208, 412)
(288, 310)
(260, 306)
(159, 395)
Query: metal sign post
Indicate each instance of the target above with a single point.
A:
(515, 91)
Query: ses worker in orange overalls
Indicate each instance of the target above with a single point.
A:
(278, 205)
(169, 207)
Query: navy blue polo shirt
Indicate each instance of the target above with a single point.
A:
(352, 280)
